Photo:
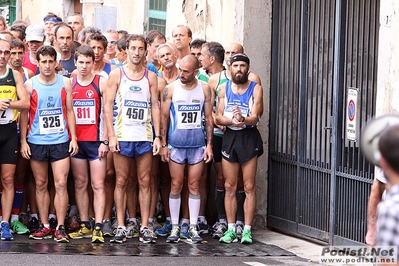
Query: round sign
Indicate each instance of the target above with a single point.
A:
(351, 110)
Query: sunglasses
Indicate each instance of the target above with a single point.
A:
(111, 42)
(5, 52)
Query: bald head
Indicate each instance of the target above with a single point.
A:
(190, 61)
(232, 49)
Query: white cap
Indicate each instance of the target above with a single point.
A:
(35, 32)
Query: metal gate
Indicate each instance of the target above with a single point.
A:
(318, 180)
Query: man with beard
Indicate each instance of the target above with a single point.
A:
(239, 109)
(183, 103)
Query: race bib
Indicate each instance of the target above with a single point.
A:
(85, 111)
(6, 116)
(51, 121)
(135, 112)
(189, 116)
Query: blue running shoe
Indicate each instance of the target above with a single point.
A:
(184, 230)
(5, 231)
(165, 230)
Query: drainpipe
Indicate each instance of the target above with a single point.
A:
(18, 5)
(334, 119)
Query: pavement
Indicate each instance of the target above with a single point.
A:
(310, 251)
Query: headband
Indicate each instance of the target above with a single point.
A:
(51, 19)
(239, 57)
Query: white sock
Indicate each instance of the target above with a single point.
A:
(174, 206)
(194, 204)
(232, 226)
(247, 227)
(14, 217)
(201, 219)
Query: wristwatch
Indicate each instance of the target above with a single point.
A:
(158, 137)
(105, 142)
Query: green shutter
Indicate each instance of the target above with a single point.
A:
(157, 15)
(11, 10)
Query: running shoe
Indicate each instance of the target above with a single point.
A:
(146, 235)
(73, 223)
(239, 229)
(107, 229)
(19, 228)
(229, 236)
(83, 232)
(41, 233)
(5, 231)
(246, 237)
(165, 230)
(156, 225)
(132, 230)
(60, 236)
(120, 236)
(219, 230)
(202, 227)
(53, 224)
(174, 236)
(97, 235)
(184, 230)
(33, 224)
(193, 235)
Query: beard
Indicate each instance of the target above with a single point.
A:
(240, 79)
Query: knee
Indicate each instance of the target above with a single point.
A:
(176, 187)
(80, 183)
(249, 188)
(121, 182)
(144, 181)
(8, 181)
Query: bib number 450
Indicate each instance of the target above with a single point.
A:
(135, 113)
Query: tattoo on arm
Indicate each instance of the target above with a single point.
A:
(165, 94)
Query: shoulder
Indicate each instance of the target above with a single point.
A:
(254, 77)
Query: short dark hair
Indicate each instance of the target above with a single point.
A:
(21, 30)
(46, 50)
(136, 37)
(215, 49)
(84, 50)
(124, 33)
(98, 37)
(197, 43)
(63, 24)
(17, 44)
(389, 146)
(154, 34)
(121, 44)
(84, 31)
